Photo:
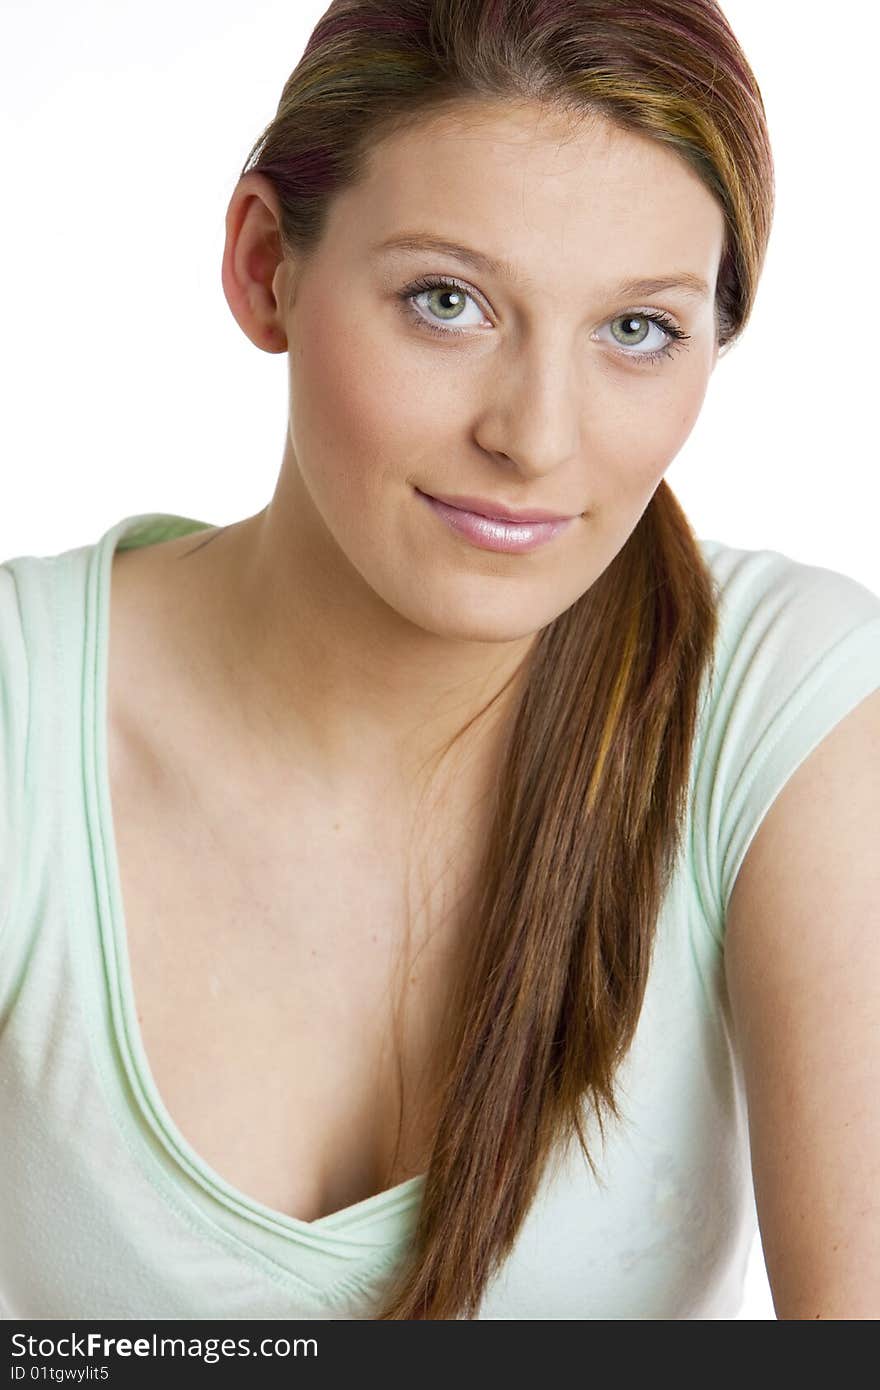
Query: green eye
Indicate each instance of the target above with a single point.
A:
(458, 293)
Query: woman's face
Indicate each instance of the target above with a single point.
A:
(551, 388)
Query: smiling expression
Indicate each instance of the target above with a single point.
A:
(526, 367)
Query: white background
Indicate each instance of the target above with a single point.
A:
(128, 386)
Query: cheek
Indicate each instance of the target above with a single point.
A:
(688, 404)
(643, 430)
(352, 408)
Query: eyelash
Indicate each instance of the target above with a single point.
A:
(431, 282)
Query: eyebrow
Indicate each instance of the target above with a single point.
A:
(683, 280)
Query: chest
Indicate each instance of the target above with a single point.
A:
(279, 999)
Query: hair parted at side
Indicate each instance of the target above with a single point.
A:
(592, 792)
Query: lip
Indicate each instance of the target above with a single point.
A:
(496, 511)
(495, 533)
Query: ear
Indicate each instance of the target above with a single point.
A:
(254, 270)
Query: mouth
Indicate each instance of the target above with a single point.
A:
(493, 532)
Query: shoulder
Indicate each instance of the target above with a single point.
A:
(798, 647)
(786, 809)
(765, 596)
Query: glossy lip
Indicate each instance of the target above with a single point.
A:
(495, 533)
(495, 511)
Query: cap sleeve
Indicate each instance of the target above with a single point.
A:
(798, 648)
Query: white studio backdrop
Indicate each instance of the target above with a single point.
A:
(128, 386)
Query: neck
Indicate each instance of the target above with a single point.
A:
(311, 662)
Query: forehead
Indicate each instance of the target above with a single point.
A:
(544, 191)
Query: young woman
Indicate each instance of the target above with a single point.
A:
(441, 893)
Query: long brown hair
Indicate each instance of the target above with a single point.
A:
(592, 791)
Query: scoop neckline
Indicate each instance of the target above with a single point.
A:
(394, 1204)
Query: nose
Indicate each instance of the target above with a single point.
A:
(532, 417)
